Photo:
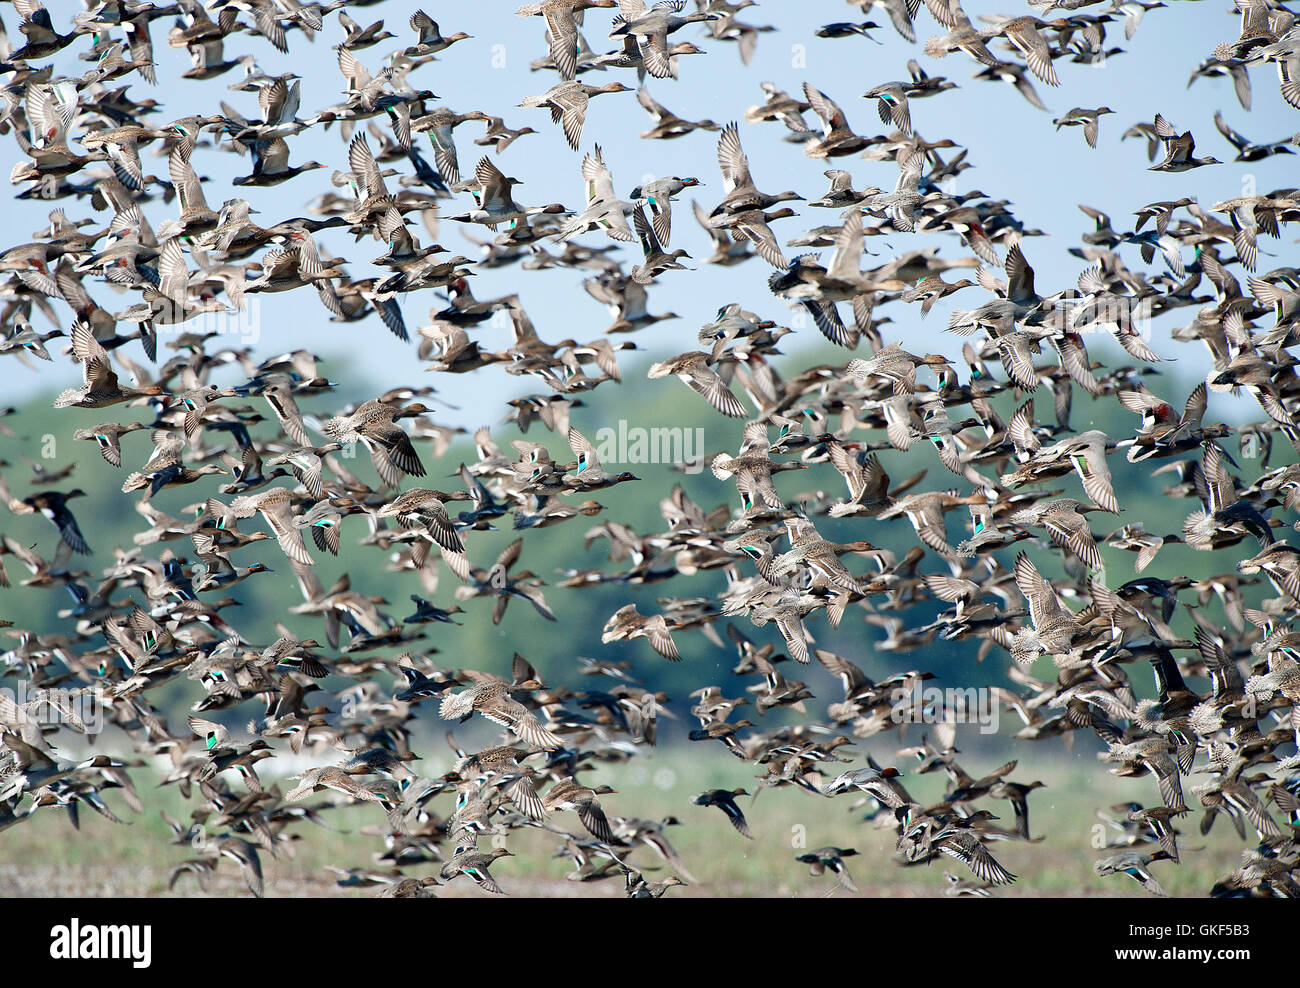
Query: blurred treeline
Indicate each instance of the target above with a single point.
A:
(109, 520)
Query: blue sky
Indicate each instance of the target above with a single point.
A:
(1016, 152)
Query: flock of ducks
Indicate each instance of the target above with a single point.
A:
(1023, 577)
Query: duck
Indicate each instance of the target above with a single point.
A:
(605, 211)
(631, 56)
(741, 195)
(562, 29)
(932, 289)
(638, 888)
(166, 469)
(1180, 149)
(418, 506)
(1087, 119)
(276, 508)
(874, 781)
(1025, 36)
(627, 624)
(122, 144)
(668, 125)
(656, 259)
(588, 474)
(727, 251)
(694, 371)
(53, 506)
(431, 40)
(847, 29)
(100, 387)
(108, 437)
(569, 794)
(307, 464)
(658, 195)
(1063, 518)
(781, 106)
(725, 800)
(832, 859)
(838, 139)
(359, 37)
(271, 164)
(650, 27)
(841, 194)
(171, 302)
(1248, 150)
(568, 101)
(960, 839)
(492, 700)
(503, 764)
(752, 225)
(1016, 76)
(1136, 865)
(42, 38)
(892, 104)
(495, 201)
(499, 136)
(374, 425)
(28, 342)
(895, 365)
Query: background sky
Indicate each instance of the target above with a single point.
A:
(1017, 155)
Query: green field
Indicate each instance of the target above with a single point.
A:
(46, 857)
